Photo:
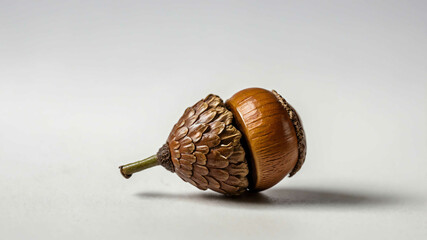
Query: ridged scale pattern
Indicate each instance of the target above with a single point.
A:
(205, 148)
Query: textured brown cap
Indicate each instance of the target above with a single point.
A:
(205, 148)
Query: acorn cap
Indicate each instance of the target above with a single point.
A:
(272, 135)
(205, 148)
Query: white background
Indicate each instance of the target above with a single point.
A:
(87, 86)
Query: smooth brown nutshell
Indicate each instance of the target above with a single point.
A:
(205, 148)
(269, 135)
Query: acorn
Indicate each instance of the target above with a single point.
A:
(249, 143)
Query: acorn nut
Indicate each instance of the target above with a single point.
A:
(249, 143)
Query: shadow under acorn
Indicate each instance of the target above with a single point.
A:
(286, 197)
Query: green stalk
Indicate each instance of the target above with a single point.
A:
(128, 169)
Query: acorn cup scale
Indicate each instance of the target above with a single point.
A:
(251, 142)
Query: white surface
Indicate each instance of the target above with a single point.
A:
(85, 87)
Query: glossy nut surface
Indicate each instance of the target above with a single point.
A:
(268, 136)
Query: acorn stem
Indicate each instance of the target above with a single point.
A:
(128, 169)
